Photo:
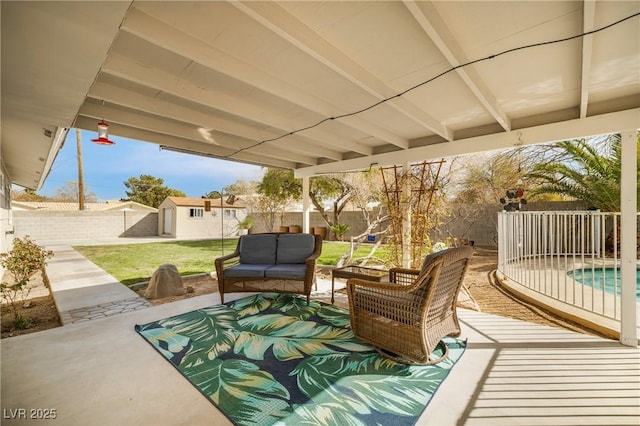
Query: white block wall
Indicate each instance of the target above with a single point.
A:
(73, 225)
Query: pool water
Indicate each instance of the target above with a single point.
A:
(597, 277)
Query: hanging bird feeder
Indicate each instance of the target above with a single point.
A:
(103, 134)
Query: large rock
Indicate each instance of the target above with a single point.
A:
(165, 281)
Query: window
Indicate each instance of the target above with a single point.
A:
(196, 212)
(230, 213)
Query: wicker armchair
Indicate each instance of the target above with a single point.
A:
(407, 318)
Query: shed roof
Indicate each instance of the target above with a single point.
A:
(200, 202)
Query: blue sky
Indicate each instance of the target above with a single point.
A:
(106, 168)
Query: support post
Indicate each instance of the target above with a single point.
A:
(405, 208)
(80, 173)
(628, 238)
(306, 204)
(222, 219)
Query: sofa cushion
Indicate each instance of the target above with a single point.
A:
(287, 270)
(246, 270)
(294, 248)
(258, 249)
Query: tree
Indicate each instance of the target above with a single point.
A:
(267, 210)
(335, 189)
(591, 173)
(213, 194)
(481, 180)
(277, 189)
(149, 190)
(27, 195)
(241, 187)
(486, 181)
(281, 185)
(367, 195)
(70, 193)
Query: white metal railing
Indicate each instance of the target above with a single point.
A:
(571, 257)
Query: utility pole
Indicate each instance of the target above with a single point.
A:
(80, 179)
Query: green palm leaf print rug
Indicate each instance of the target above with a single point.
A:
(271, 359)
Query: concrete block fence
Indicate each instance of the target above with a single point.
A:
(65, 225)
(73, 225)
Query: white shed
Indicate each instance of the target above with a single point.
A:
(200, 217)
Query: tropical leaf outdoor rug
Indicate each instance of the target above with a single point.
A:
(271, 359)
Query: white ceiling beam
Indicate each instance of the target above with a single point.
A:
(128, 69)
(206, 122)
(89, 123)
(564, 130)
(426, 14)
(266, 150)
(141, 121)
(159, 33)
(588, 19)
(245, 158)
(278, 20)
(174, 128)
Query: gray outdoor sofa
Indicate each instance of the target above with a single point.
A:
(272, 262)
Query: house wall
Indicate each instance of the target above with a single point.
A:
(65, 225)
(208, 226)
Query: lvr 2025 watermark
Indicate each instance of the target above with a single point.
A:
(29, 413)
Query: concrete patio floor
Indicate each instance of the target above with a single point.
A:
(100, 372)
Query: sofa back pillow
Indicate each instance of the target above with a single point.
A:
(295, 248)
(258, 249)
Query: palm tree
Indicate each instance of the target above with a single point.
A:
(588, 174)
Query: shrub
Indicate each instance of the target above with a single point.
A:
(25, 259)
(340, 229)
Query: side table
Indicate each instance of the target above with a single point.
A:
(351, 271)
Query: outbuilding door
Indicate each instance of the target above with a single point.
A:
(168, 221)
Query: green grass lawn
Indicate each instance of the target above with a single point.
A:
(134, 263)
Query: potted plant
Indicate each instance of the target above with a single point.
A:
(320, 230)
(295, 229)
(245, 224)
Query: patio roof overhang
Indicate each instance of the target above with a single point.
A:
(390, 82)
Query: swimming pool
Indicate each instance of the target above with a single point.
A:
(599, 276)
